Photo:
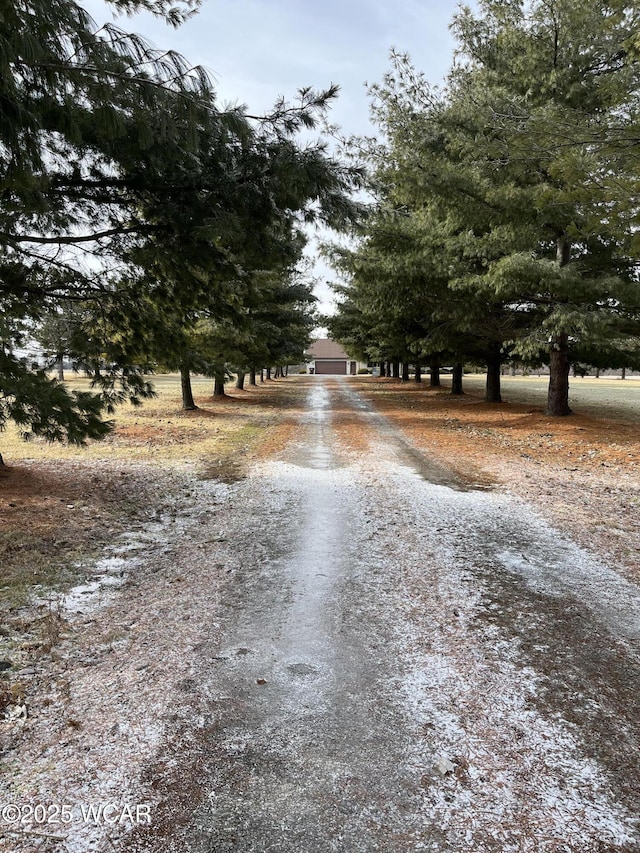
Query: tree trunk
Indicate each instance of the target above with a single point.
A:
(262, 374)
(558, 396)
(492, 392)
(240, 380)
(218, 386)
(252, 376)
(559, 362)
(60, 365)
(623, 375)
(268, 373)
(286, 370)
(597, 373)
(405, 371)
(396, 368)
(383, 369)
(418, 372)
(456, 380)
(434, 367)
(188, 403)
(512, 371)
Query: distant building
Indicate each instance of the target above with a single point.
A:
(327, 357)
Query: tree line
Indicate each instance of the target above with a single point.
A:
(141, 225)
(505, 222)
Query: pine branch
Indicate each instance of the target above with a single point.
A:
(174, 12)
(73, 239)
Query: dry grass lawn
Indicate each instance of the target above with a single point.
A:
(61, 504)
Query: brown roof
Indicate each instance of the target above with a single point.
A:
(325, 348)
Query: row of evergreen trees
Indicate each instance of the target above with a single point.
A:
(139, 222)
(506, 217)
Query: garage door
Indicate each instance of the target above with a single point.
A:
(331, 366)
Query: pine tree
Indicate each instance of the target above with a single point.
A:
(76, 104)
(512, 163)
(125, 189)
(544, 83)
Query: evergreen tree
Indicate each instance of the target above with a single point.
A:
(75, 102)
(126, 189)
(510, 168)
(541, 81)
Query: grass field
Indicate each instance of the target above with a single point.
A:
(159, 431)
(608, 398)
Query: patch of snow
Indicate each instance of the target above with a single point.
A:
(110, 573)
(562, 569)
(519, 773)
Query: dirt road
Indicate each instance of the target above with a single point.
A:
(394, 660)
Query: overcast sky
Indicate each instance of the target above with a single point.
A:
(260, 49)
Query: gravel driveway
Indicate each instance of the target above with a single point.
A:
(357, 652)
